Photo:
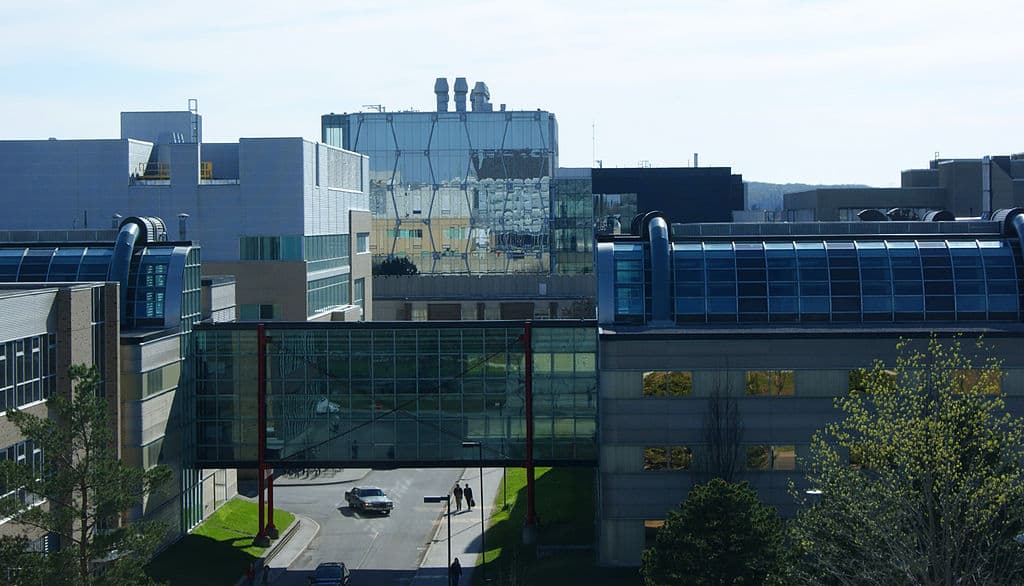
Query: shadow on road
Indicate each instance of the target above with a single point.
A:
(358, 577)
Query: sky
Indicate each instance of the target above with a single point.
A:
(811, 91)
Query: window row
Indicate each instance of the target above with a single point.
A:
(28, 370)
(758, 457)
(24, 453)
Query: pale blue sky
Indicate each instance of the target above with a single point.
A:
(817, 91)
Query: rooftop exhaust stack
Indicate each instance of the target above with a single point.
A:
(461, 89)
(986, 186)
(183, 227)
(480, 98)
(441, 91)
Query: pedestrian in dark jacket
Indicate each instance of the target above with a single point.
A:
(468, 493)
(455, 573)
(457, 491)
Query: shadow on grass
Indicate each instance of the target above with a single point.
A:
(197, 560)
(565, 512)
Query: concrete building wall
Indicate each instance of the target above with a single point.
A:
(286, 288)
(362, 262)
(820, 363)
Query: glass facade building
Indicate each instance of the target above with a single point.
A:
(373, 394)
(457, 192)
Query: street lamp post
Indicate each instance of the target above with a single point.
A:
(483, 540)
(445, 499)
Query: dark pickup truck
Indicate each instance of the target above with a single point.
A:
(369, 499)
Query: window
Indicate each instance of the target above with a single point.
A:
(24, 453)
(775, 383)
(651, 527)
(978, 380)
(359, 293)
(270, 248)
(363, 242)
(258, 311)
(771, 457)
(667, 458)
(665, 383)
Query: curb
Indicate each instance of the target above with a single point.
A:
(285, 537)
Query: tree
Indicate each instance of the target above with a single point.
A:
(921, 478)
(722, 432)
(722, 534)
(396, 266)
(81, 495)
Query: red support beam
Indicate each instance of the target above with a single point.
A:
(271, 528)
(261, 426)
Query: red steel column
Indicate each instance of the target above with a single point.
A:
(261, 423)
(271, 528)
(531, 500)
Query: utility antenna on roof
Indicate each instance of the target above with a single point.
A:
(375, 107)
(193, 108)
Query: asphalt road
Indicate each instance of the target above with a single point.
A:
(378, 550)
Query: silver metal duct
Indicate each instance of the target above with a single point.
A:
(441, 91)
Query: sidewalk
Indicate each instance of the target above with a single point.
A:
(465, 529)
(281, 554)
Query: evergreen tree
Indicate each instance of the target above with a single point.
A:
(81, 495)
(721, 534)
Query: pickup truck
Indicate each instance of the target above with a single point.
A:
(369, 499)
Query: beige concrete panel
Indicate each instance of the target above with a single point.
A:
(621, 459)
(821, 383)
(362, 263)
(278, 282)
(729, 382)
(621, 384)
(621, 542)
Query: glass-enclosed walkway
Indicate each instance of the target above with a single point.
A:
(397, 394)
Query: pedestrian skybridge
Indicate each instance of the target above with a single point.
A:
(396, 394)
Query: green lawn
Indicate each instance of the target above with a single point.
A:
(565, 506)
(218, 551)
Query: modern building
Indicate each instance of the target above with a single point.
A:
(963, 187)
(457, 191)
(127, 303)
(289, 218)
(45, 329)
(771, 319)
(686, 194)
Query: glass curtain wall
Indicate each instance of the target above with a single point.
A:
(838, 281)
(458, 192)
(346, 393)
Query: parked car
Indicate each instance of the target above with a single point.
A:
(369, 499)
(330, 574)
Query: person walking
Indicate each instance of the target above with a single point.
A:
(457, 491)
(455, 573)
(468, 493)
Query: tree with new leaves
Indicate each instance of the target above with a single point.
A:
(921, 479)
(81, 495)
(721, 534)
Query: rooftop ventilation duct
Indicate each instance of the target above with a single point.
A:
(441, 91)
(872, 216)
(480, 98)
(461, 89)
(939, 216)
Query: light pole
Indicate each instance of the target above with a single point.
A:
(483, 540)
(445, 499)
